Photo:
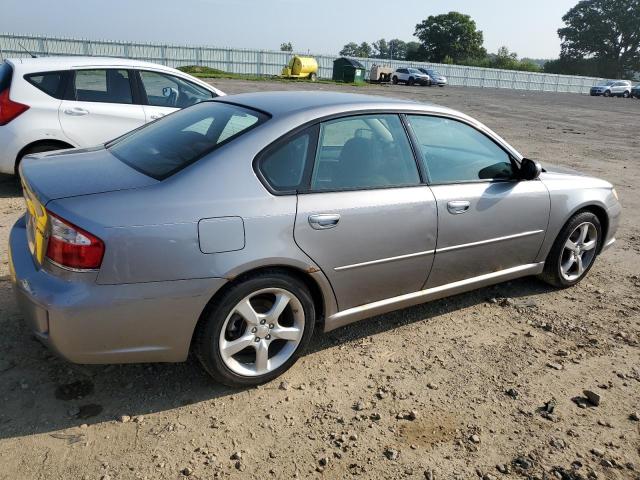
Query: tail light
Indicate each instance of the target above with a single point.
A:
(10, 109)
(72, 247)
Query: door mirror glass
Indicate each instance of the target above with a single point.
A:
(530, 169)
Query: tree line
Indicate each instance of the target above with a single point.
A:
(600, 38)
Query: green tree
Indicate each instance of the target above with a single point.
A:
(397, 49)
(606, 30)
(352, 49)
(415, 52)
(380, 49)
(452, 35)
(349, 50)
(286, 47)
(364, 50)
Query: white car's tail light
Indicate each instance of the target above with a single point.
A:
(9, 109)
(72, 247)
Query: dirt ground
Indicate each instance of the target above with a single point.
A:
(482, 385)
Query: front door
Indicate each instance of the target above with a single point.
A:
(101, 107)
(488, 220)
(167, 93)
(366, 220)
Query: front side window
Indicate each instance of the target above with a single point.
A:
(283, 167)
(104, 86)
(453, 151)
(165, 90)
(367, 151)
(49, 82)
(161, 149)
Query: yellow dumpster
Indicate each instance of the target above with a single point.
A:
(301, 67)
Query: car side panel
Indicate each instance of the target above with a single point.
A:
(571, 193)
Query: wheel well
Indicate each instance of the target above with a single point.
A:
(314, 288)
(38, 143)
(601, 213)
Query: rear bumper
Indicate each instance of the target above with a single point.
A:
(84, 322)
(10, 146)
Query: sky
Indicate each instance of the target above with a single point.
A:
(318, 26)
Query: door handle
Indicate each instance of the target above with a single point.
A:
(156, 116)
(456, 207)
(324, 221)
(76, 111)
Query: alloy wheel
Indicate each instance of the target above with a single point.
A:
(262, 332)
(579, 251)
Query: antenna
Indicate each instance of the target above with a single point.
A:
(30, 54)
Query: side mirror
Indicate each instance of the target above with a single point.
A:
(529, 169)
(169, 91)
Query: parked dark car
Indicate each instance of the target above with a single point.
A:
(635, 91)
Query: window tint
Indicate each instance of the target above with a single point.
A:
(455, 152)
(366, 151)
(106, 86)
(161, 149)
(283, 168)
(169, 91)
(5, 75)
(49, 82)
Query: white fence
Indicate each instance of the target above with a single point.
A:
(264, 62)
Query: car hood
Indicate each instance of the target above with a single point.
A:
(556, 173)
(76, 172)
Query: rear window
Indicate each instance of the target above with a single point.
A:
(49, 82)
(165, 147)
(5, 76)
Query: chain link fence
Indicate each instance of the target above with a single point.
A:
(265, 62)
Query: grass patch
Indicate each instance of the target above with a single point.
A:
(207, 72)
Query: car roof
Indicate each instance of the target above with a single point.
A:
(65, 62)
(314, 104)
(285, 102)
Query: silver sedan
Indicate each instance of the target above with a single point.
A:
(233, 227)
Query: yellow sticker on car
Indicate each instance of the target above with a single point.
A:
(36, 225)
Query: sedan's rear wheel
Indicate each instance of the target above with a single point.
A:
(574, 251)
(257, 330)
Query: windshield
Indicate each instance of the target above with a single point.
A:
(165, 147)
(434, 73)
(413, 70)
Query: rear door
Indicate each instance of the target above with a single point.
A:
(99, 106)
(366, 218)
(488, 220)
(164, 93)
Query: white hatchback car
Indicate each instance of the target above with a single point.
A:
(54, 103)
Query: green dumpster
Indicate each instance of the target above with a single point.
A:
(348, 70)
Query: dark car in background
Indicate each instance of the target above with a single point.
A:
(635, 91)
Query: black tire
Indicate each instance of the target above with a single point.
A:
(607, 93)
(395, 80)
(552, 268)
(626, 94)
(411, 81)
(206, 344)
(313, 77)
(39, 148)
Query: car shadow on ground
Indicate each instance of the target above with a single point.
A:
(44, 394)
(9, 186)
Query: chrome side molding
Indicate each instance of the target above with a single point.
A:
(354, 314)
(385, 260)
(490, 240)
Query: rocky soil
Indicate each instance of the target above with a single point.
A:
(514, 381)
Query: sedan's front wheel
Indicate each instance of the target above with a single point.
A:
(256, 330)
(574, 251)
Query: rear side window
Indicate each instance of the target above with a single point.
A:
(104, 86)
(362, 152)
(165, 147)
(5, 76)
(50, 83)
(283, 167)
